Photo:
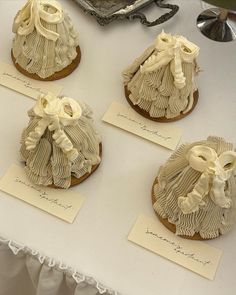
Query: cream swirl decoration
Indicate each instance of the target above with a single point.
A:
(216, 170)
(55, 114)
(174, 50)
(34, 13)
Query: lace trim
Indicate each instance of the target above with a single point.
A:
(16, 248)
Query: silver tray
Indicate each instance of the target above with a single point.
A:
(106, 11)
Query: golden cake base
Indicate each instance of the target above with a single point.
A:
(56, 76)
(172, 226)
(160, 119)
(76, 181)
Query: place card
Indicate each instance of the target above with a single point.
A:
(196, 256)
(10, 77)
(64, 204)
(126, 118)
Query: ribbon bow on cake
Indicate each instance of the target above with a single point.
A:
(32, 15)
(174, 49)
(215, 172)
(55, 113)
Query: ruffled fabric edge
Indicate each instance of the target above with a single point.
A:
(78, 277)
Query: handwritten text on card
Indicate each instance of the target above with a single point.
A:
(196, 256)
(127, 119)
(11, 78)
(64, 204)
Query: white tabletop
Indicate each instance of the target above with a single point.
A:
(96, 243)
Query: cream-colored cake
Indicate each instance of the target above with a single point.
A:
(195, 190)
(46, 45)
(60, 146)
(160, 84)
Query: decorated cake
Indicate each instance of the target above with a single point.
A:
(60, 146)
(160, 84)
(46, 45)
(194, 194)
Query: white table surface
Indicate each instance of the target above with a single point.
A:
(96, 243)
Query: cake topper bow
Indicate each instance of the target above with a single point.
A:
(174, 49)
(32, 15)
(55, 114)
(215, 172)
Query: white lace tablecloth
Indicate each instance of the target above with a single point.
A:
(27, 271)
(94, 250)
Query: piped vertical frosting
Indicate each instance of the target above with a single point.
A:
(60, 141)
(45, 41)
(196, 188)
(161, 81)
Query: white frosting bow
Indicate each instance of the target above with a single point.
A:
(174, 49)
(215, 172)
(31, 15)
(55, 113)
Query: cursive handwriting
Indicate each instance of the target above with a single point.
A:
(144, 127)
(27, 84)
(43, 195)
(178, 249)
